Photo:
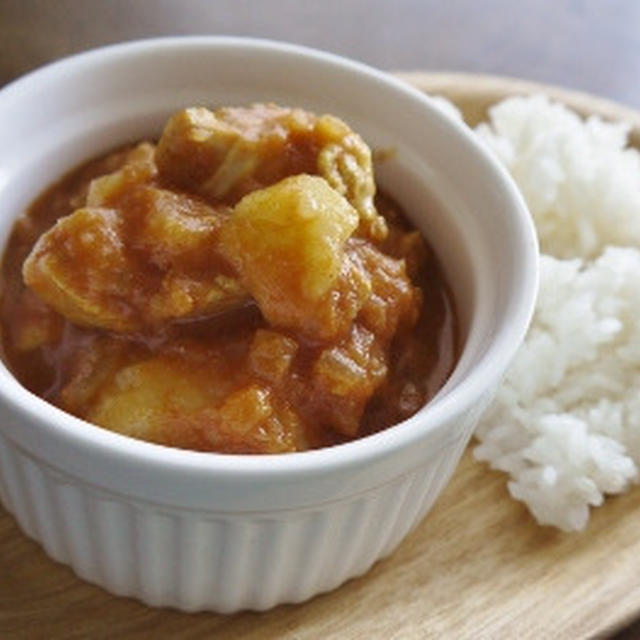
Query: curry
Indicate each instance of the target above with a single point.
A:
(240, 286)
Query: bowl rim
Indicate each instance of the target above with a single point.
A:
(439, 411)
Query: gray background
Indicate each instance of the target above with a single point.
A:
(593, 45)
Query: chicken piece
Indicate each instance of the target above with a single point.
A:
(81, 269)
(152, 260)
(394, 302)
(187, 396)
(345, 162)
(346, 375)
(178, 237)
(287, 243)
(135, 255)
(139, 168)
(223, 155)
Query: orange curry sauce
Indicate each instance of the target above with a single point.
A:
(131, 338)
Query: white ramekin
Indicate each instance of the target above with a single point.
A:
(217, 532)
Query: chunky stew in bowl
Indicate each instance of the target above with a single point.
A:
(239, 286)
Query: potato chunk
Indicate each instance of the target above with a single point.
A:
(187, 396)
(159, 400)
(223, 155)
(287, 242)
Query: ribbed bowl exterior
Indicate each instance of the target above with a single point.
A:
(214, 561)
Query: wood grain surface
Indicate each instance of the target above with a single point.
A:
(477, 567)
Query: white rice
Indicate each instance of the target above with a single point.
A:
(566, 422)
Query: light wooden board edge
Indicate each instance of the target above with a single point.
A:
(475, 93)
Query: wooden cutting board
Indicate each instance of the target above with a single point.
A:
(477, 567)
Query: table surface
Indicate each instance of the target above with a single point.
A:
(589, 45)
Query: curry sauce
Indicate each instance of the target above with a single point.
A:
(239, 286)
